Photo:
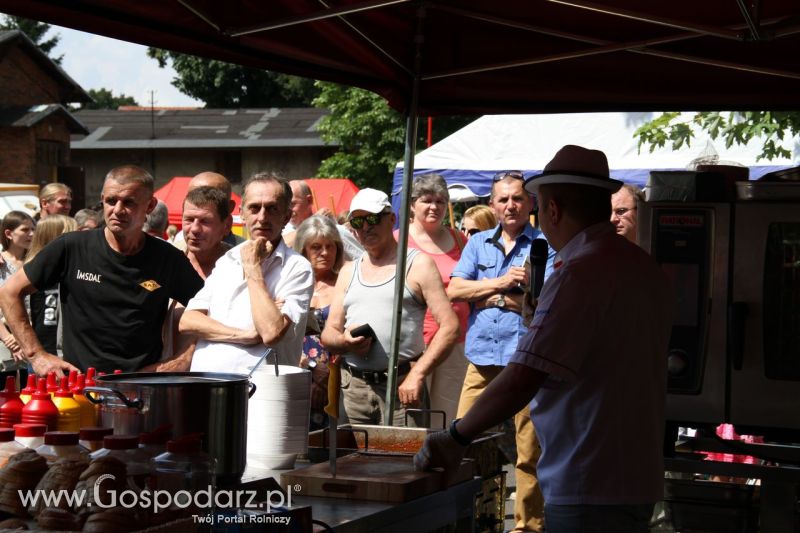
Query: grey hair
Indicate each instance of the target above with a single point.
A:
(86, 214)
(319, 227)
(157, 220)
(431, 183)
(270, 177)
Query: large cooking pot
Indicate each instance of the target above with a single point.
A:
(210, 403)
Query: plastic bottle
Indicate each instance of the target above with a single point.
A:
(41, 409)
(52, 383)
(91, 438)
(10, 404)
(73, 378)
(69, 411)
(61, 444)
(126, 449)
(25, 394)
(184, 466)
(88, 410)
(8, 446)
(30, 435)
(154, 442)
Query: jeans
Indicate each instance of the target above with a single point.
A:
(598, 518)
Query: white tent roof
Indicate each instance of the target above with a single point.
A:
(528, 142)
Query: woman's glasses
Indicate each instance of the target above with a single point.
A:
(373, 219)
(472, 231)
(516, 174)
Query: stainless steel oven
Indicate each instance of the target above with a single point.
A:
(735, 347)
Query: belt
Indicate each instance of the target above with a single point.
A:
(378, 376)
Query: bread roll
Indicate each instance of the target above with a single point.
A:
(22, 472)
(62, 475)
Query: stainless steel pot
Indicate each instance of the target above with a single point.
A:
(210, 403)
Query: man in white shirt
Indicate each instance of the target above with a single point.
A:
(259, 292)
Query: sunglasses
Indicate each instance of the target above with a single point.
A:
(472, 231)
(373, 219)
(516, 174)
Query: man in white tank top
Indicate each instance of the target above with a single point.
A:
(364, 294)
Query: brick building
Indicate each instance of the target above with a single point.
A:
(35, 124)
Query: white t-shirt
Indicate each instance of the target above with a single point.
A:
(225, 297)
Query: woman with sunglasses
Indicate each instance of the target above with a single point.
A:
(426, 233)
(476, 219)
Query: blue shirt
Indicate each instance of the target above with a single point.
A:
(493, 333)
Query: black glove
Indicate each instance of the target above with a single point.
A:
(440, 450)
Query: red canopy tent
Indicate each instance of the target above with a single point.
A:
(333, 193)
(173, 194)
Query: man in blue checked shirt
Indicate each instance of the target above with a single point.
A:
(490, 275)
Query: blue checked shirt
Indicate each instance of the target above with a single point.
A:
(493, 333)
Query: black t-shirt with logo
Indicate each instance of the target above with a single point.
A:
(113, 306)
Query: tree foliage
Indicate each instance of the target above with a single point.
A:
(105, 99)
(225, 85)
(734, 127)
(370, 134)
(36, 32)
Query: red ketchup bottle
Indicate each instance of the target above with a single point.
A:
(41, 409)
(25, 394)
(10, 405)
(73, 378)
(52, 383)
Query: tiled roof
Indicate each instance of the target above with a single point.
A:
(199, 128)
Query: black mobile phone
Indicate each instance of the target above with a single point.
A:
(365, 330)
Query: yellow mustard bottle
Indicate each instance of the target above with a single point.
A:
(69, 411)
(89, 416)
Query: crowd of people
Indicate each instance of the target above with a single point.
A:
(118, 291)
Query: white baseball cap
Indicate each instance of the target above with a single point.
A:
(370, 200)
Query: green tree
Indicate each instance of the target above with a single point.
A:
(369, 133)
(36, 32)
(733, 127)
(105, 99)
(225, 85)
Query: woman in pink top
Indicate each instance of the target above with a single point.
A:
(429, 198)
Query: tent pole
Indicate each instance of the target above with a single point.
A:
(412, 122)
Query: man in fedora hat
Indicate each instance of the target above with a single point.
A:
(592, 364)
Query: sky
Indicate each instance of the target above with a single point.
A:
(100, 62)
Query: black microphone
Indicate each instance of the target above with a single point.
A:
(539, 251)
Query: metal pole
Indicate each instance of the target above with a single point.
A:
(402, 242)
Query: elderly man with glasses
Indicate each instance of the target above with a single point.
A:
(623, 210)
(489, 276)
(363, 295)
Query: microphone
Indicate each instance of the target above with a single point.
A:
(539, 251)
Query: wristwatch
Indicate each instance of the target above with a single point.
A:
(458, 437)
(501, 301)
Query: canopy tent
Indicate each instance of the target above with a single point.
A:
(173, 194)
(471, 57)
(333, 193)
(477, 57)
(469, 158)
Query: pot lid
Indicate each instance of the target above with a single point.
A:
(172, 378)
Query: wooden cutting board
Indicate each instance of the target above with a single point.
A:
(384, 478)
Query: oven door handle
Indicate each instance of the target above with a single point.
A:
(737, 316)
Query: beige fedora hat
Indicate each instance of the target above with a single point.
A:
(578, 166)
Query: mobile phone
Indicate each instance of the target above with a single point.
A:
(365, 330)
